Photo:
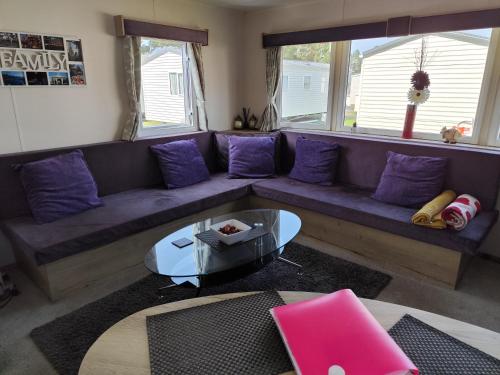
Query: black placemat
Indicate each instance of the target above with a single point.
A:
(236, 336)
(209, 237)
(437, 353)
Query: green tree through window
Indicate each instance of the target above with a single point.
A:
(317, 52)
(356, 61)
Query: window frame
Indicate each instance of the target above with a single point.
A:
(491, 133)
(189, 105)
(301, 125)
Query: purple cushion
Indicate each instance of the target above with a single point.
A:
(411, 181)
(251, 157)
(59, 186)
(181, 163)
(315, 161)
(222, 148)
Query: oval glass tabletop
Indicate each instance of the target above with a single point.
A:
(276, 229)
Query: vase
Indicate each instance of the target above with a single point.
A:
(411, 111)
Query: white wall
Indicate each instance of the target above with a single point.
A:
(324, 13)
(53, 117)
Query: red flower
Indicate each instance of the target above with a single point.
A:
(420, 80)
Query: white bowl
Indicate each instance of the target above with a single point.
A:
(230, 239)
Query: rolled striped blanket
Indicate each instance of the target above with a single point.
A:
(458, 214)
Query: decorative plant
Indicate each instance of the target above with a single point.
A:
(247, 121)
(419, 90)
(420, 82)
(246, 116)
(238, 122)
(252, 122)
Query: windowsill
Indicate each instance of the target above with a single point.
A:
(385, 138)
(302, 126)
(161, 132)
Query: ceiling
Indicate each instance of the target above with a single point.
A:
(254, 4)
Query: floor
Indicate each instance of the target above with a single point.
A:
(477, 301)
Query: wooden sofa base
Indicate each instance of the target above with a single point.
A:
(121, 259)
(125, 258)
(388, 250)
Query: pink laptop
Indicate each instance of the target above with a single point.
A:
(337, 335)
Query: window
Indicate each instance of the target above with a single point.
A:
(180, 83)
(362, 85)
(307, 82)
(304, 86)
(166, 105)
(176, 84)
(378, 80)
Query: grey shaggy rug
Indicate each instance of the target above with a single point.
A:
(65, 340)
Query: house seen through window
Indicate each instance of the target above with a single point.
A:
(165, 76)
(379, 79)
(306, 73)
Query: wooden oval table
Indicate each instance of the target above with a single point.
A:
(123, 348)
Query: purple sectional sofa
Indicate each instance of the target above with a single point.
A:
(129, 180)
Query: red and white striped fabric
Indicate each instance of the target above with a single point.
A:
(459, 212)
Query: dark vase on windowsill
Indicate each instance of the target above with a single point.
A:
(411, 111)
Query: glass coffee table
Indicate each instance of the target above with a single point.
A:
(208, 262)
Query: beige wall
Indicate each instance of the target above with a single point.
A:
(53, 117)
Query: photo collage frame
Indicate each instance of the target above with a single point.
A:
(33, 59)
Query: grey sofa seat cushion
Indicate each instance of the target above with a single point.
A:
(356, 206)
(123, 214)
